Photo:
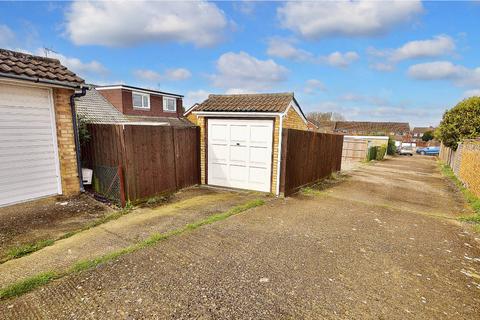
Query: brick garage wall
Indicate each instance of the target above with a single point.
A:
(276, 138)
(469, 172)
(66, 141)
(293, 120)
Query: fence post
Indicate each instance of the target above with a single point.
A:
(121, 187)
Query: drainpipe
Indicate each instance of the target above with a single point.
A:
(75, 134)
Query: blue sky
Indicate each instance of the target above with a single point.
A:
(397, 61)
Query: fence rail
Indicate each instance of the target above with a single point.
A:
(155, 159)
(308, 157)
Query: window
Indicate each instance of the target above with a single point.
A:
(169, 104)
(141, 100)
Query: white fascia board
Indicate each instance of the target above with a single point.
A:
(138, 90)
(237, 114)
(28, 83)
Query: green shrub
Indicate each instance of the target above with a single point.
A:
(381, 152)
(372, 153)
(391, 148)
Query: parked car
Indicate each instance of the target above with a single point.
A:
(406, 151)
(431, 151)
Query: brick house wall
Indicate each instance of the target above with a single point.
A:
(123, 101)
(66, 141)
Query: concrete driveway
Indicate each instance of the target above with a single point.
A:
(383, 244)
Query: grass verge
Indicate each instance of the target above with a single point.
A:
(18, 252)
(31, 283)
(471, 198)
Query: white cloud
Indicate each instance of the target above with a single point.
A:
(314, 85)
(384, 67)
(445, 70)
(243, 71)
(193, 97)
(7, 36)
(471, 93)
(246, 7)
(168, 75)
(435, 47)
(338, 59)
(178, 74)
(81, 68)
(284, 48)
(114, 23)
(314, 20)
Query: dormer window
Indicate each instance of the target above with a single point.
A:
(169, 104)
(141, 100)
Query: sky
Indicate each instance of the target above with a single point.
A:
(377, 61)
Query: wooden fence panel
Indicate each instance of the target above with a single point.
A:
(155, 159)
(308, 157)
(187, 156)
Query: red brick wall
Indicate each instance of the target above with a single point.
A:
(122, 100)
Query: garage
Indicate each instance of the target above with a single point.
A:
(240, 153)
(241, 138)
(29, 166)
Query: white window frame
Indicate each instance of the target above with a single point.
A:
(165, 99)
(142, 107)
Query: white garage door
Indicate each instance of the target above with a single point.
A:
(28, 149)
(240, 153)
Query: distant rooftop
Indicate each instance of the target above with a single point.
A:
(371, 127)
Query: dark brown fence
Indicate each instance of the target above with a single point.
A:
(308, 157)
(154, 159)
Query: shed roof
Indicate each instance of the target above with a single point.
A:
(258, 102)
(35, 68)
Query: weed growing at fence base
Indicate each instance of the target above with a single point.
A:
(318, 188)
(471, 198)
(31, 283)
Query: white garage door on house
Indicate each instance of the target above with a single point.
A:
(240, 153)
(29, 166)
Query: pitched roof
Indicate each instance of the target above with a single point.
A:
(371, 127)
(95, 108)
(258, 102)
(35, 68)
(422, 129)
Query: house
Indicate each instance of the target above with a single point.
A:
(95, 108)
(418, 132)
(372, 128)
(143, 103)
(240, 138)
(37, 120)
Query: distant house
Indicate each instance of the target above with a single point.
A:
(372, 128)
(240, 138)
(37, 128)
(143, 104)
(418, 132)
(95, 108)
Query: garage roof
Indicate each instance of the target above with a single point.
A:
(35, 68)
(258, 102)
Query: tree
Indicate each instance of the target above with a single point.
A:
(427, 136)
(325, 116)
(460, 122)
